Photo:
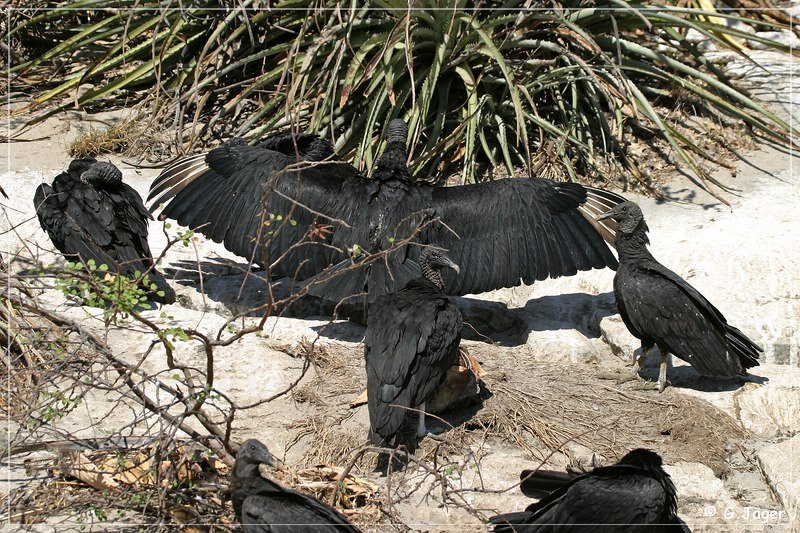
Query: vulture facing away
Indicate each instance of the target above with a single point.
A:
(89, 213)
(263, 506)
(661, 308)
(636, 494)
(287, 206)
(411, 341)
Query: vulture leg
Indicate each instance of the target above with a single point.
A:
(638, 365)
(421, 429)
(625, 376)
(662, 370)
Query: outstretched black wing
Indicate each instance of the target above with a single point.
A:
(411, 340)
(656, 303)
(282, 509)
(509, 230)
(247, 196)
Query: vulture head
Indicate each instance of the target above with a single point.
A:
(628, 215)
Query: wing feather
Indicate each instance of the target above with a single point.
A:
(229, 193)
(660, 305)
(541, 215)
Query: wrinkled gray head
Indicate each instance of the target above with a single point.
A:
(253, 452)
(628, 216)
(432, 260)
(102, 173)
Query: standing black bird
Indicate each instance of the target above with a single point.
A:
(89, 213)
(636, 494)
(661, 308)
(262, 505)
(502, 232)
(411, 341)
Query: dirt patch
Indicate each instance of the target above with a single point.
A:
(549, 406)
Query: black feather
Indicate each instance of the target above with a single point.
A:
(262, 505)
(411, 341)
(636, 494)
(661, 308)
(88, 213)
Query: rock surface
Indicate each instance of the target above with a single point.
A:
(781, 465)
(744, 259)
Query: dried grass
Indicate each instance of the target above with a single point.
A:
(150, 486)
(551, 405)
(134, 135)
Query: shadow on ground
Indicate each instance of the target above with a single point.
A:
(244, 291)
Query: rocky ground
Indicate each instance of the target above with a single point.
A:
(732, 448)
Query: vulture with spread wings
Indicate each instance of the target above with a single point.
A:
(288, 207)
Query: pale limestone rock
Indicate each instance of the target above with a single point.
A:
(781, 466)
(705, 504)
(770, 410)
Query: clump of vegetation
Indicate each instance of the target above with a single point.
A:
(95, 286)
(117, 138)
(484, 85)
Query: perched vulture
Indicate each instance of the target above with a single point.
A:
(661, 308)
(281, 206)
(411, 341)
(262, 505)
(89, 213)
(636, 494)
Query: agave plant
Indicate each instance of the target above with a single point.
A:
(484, 85)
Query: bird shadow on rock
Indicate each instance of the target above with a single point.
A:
(245, 291)
(686, 377)
(494, 322)
(685, 196)
(242, 290)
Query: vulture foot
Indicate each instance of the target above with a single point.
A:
(623, 376)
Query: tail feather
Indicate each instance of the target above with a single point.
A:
(747, 351)
(504, 523)
(540, 483)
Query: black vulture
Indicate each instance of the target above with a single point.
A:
(411, 341)
(90, 214)
(262, 505)
(502, 232)
(636, 494)
(661, 308)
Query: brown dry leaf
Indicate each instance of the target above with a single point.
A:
(352, 484)
(361, 400)
(80, 467)
(182, 472)
(140, 474)
(217, 465)
(470, 362)
(182, 513)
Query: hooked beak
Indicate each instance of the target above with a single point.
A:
(604, 216)
(274, 462)
(454, 266)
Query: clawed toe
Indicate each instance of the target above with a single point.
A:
(621, 377)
